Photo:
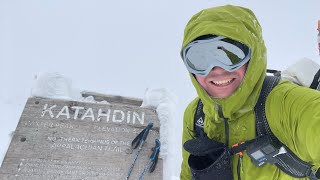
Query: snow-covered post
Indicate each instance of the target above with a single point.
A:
(164, 102)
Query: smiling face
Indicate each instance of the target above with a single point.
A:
(220, 83)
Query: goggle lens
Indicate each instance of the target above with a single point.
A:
(202, 55)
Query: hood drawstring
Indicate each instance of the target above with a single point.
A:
(226, 125)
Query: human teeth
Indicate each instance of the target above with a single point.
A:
(223, 82)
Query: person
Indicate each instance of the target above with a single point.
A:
(224, 52)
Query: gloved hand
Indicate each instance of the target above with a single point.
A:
(208, 159)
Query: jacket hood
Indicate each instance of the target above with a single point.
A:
(239, 24)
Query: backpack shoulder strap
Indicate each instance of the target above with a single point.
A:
(316, 81)
(198, 120)
(262, 126)
(288, 162)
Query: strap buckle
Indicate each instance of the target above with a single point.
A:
(238, 148)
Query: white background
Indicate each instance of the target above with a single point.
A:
(123, 47)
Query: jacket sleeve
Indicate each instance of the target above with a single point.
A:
(293, 113)
(187, 134)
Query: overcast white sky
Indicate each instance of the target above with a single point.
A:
(123, 47)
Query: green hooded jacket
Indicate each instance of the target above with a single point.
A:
(293, 112)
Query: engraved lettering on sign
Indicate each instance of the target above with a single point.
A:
(43, 124)
(88, 141)
(110, 129)
(77, 109)
(136, 116)
(104, 114)
(89, 114)
(74, 143)
(64, 112)
(45, 109)
(120, 113)
(53, 169)
(84, 147)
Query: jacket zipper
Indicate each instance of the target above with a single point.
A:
(239, 167)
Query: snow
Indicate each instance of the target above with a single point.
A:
(123, 47)
(165, 103)
(301, 72)
(57, 86)
(52, 85)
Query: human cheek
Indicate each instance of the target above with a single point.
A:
(201, 80)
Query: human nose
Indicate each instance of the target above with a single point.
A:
(218, 69)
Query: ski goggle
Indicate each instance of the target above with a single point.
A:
(200, 56)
